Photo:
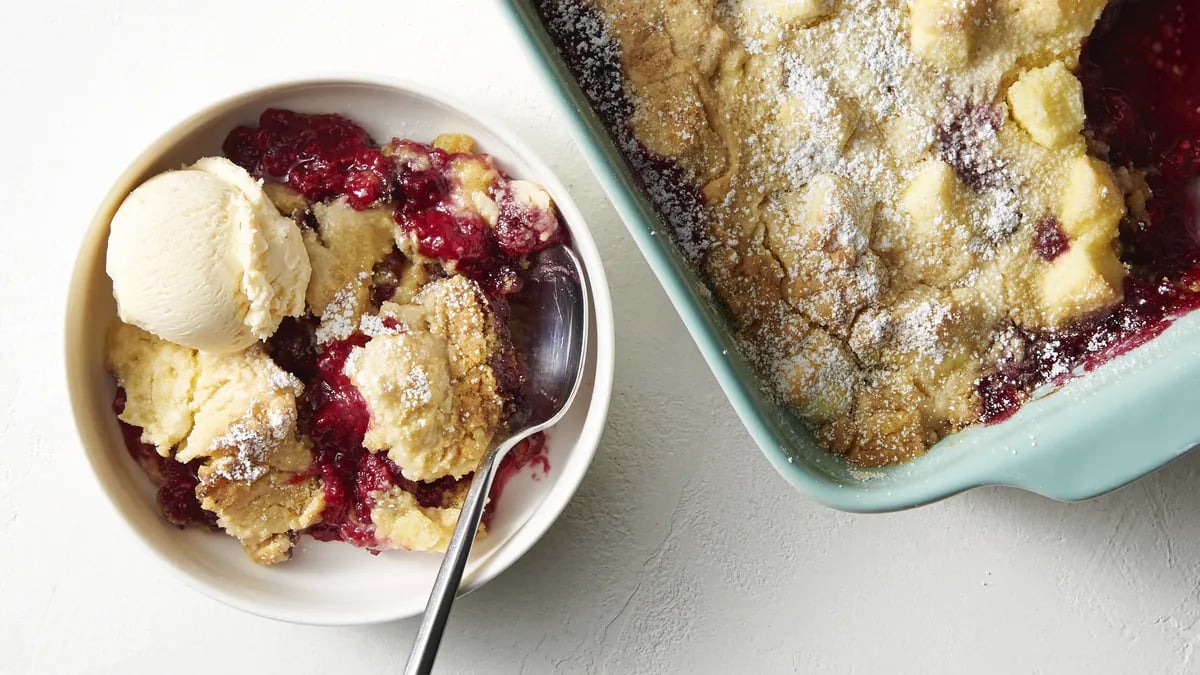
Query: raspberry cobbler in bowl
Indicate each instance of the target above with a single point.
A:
(915, 214)
(362, 418)
(414, 331)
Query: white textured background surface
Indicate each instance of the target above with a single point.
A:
(683, 551)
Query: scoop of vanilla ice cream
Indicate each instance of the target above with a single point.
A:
(200, 257)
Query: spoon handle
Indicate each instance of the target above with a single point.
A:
(437, 610)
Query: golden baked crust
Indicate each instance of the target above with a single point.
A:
(343, 247)
(159, 379)
(429, 383)
(236, 414)
(874, 173)
(402, 522)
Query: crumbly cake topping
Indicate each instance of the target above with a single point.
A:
(343, 245)
(264, 514)
(403, 522)
(250, 442)
(429, 382)
(425, 373)
(344, 311)
(862, 183)
(235, 414)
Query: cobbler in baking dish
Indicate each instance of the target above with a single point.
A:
(916, 212)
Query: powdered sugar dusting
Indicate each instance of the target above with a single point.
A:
(862, 199)
(279, 380)
(243, 452)
(416, 391)
(373, 325)
(338, 321)
(918, 329)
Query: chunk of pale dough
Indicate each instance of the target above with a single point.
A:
(159, 378)
(454, 143)
(931, 201)
(792, 12)
(1085, 279)
(402, 523)
(1048, 103)
(237, 414)
(264, 513)
(405, 380)
(1092, 204)
(941, 31)
(345, 243)
(228, 387)
(430, 386)
(819, 376)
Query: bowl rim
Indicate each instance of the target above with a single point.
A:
(540, 519)
(1099, 452)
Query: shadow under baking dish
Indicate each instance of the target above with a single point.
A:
(1128, 417)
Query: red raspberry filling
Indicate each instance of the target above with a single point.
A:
(529, 452)
(462, 240)
(326, 156)
(320, 156)
(1049, 240)
(427, 209)
(521, 228)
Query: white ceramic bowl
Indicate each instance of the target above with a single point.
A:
(329, 583)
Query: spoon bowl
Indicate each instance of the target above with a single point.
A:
(551, 345)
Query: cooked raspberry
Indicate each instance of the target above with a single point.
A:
(465, 241)
(1049, 239)
(320, 156)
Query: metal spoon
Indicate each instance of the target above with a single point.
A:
(552, 343)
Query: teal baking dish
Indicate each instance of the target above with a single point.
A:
(1097, 432)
